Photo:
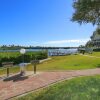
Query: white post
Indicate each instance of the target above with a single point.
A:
(22, 65)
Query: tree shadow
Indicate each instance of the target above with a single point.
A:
(16, 78)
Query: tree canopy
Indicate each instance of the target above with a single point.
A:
(86, 11)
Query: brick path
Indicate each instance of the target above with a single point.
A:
(17, 85)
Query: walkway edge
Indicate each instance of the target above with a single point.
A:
(46, 86)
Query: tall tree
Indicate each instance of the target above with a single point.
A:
(86, 11)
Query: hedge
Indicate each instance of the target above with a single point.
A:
(17, 58)
(97, 50)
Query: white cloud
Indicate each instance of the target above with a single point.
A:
(59, 43)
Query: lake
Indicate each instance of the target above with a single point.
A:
(51, 52)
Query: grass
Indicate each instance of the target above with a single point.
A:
(83, 88)
(71, 62)
(14, 69)
(15, 54)
(97, 54)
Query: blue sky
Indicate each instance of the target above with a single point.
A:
(41, 23)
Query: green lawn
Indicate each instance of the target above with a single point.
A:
(14, 69)
(97, 54)
(70, 62)
(83, 88)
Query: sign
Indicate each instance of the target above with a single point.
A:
(7, 64)
(34, 62)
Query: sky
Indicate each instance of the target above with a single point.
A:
(41, 23)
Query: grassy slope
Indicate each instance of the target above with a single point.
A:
(71, 62)
(83, 88)
(12, 70)
(97, 54)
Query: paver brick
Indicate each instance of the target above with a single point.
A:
(19, 85)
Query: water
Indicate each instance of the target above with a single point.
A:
(61, 51)
(51, 52)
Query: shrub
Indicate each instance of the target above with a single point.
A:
(17, 58)
(97, 50)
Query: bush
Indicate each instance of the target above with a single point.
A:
(17, 58)
(98, 65)
(97, 50)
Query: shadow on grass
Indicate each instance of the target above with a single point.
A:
(98, 65)
(16, 78)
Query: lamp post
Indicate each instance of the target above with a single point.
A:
(22, 65)
(23, 51)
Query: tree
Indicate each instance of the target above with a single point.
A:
(86, 11)
(98, 30)
(89, 44)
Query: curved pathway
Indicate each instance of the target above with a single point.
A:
(16, 85)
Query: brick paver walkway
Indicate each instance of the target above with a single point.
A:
(17, 85)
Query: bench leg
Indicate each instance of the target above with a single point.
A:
(7, 72)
